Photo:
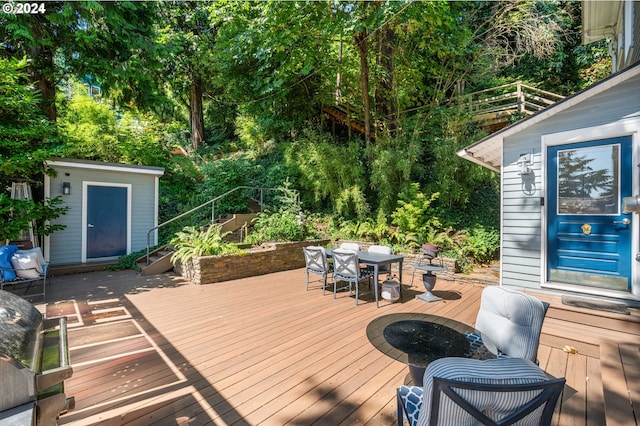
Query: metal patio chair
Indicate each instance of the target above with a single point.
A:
(509, 324)
(347, 268)
(461, 391)
(317, 263)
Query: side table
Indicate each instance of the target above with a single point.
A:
(428, 279)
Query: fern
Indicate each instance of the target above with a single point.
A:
(192, 241)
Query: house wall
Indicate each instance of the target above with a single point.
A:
(522, 221)
(65, 247)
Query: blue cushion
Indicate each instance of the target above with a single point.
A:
(411, 400)
(6, 253)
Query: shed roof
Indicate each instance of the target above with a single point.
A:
(488, 151)
(100, 165)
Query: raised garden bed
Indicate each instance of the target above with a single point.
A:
(265, 259)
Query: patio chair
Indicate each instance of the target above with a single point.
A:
(460, 391)
(508, 325)
(384, 250)
(347, 268)
(317, 263)
(351, 246)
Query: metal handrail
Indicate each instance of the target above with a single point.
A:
(212, 202)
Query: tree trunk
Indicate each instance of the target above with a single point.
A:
(196, 115)
(362, 44)
(41, 71)
(384, 95)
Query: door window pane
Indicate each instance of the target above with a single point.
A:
(588, 180)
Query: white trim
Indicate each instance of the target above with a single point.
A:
(46, 241)
(624, 127)
(85, 185)
(156, 211)
(627, 22)
(122, 168)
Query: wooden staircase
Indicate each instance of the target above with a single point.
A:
(159, 261)
(347, 116)
(160, 258)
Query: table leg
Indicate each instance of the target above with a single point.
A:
(375, 283)
(400, 273)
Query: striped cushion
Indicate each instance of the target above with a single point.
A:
(495, 405)
(510, 321)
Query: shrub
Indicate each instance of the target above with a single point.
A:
(289, 223)
(192, 241)
(480, 246)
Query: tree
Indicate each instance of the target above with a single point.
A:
(113, 41)
(27, 139)
(188, 37)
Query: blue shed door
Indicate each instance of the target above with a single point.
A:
(106, 221)
(589, 238)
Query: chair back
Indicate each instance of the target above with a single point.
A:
(510, 321)
(345, 265)
(316, 259)
(380, 249)
(350, 246)
(491, 392)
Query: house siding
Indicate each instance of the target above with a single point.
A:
(65, 247)
(523, 196)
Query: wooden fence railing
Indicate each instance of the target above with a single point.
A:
(493, 107)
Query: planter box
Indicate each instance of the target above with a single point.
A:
(268, 258)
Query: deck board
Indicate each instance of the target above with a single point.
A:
(264, 351)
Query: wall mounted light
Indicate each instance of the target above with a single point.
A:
(524, 163)
(66, 188)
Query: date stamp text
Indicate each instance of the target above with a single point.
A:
(24, 8)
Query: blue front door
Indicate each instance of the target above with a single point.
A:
(106, 221)
(589, 238)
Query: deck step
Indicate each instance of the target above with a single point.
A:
(159, 262)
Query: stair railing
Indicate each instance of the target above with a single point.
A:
(213, 211)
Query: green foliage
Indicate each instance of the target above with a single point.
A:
(128, 261)
(414, 215)
(17, 215)
(448, 130)
(27, 139)
(392, 163)
(192, 241)
(329, 173)
(285, 224)
(221, 176)
(96, 131)
(376, 230)
(478, 246)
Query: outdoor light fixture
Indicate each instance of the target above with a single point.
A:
(66, 188)
(524, 163)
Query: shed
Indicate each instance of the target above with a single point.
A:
(112, 207)
(565, 174)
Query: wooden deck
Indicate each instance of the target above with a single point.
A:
(263, 351)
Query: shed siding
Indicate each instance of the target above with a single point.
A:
(66, 246)
(522, 212)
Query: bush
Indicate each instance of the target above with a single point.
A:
(286, 224)
(192, 241)
(480, 246)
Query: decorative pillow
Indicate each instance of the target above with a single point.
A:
(6, 252)
(26, 265)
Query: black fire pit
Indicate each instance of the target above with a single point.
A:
(423, 342)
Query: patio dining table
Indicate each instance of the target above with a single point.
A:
(376, 260)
